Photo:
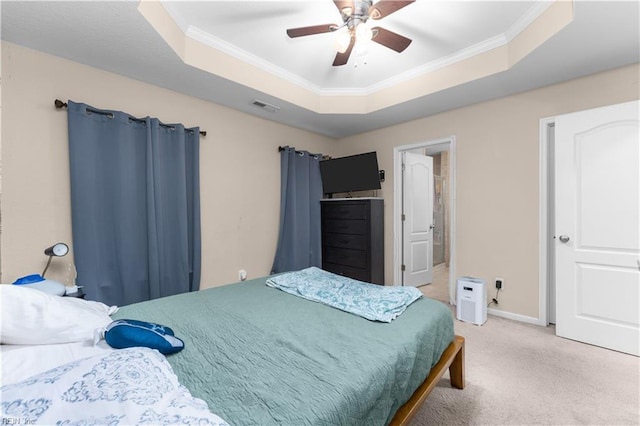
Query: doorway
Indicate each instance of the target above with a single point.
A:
(443, 253)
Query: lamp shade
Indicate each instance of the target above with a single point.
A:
(59, 249)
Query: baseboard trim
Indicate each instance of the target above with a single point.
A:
(512, 316)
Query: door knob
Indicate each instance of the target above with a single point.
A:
(564, 238)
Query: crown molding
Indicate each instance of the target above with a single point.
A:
(210, 40)
(522, 23)
(527, 19)
(209, 53)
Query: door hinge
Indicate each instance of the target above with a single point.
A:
(403, 268)
(403, 217)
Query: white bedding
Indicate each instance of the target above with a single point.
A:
(127, 386)
(33, 317)
(22, 361)
(53, 373)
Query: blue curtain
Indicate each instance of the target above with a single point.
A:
(135, 205)
(299, 243)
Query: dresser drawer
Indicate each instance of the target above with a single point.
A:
(350, 241)
(342, 256)
(344, 211)
(353, 238)
(339, 226)
(347, 271)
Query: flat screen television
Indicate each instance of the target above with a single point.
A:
(352, 173)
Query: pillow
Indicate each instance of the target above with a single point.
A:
(39, 283)
(126, 333)
(33, 317)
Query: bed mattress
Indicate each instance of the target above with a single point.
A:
(259, 356)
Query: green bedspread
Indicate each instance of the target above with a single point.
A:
(259, 356)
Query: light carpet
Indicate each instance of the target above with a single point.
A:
(522, 374)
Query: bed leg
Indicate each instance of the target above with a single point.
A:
(456, 369)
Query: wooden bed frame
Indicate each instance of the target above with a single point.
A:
(453, 359)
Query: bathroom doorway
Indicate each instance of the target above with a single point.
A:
(442, 286)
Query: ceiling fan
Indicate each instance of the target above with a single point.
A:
(355, 16)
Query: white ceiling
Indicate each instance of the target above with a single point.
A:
(116, 37)
(258, 28)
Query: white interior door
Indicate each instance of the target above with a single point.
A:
(417, 226)
(597, 222)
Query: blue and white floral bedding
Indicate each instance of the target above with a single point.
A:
(129, 386)
(370, 301)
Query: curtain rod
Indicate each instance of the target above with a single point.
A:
(282, 148)
(59, 105)
(323, 157)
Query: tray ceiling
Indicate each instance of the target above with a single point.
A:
(235, 52)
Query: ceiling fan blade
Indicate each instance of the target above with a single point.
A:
(344, 6)
(386, 7)
(343, 58)
(315, 29)
(390, 39)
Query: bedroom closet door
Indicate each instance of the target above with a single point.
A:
(597, 220)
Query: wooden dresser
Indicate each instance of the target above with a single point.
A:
(353, 238)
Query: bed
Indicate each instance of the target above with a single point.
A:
(256, 355)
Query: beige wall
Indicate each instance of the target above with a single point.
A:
(496, 155)
(497, 176)
(240, 165)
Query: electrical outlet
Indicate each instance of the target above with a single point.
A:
(499, 283)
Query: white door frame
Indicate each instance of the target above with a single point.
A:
(545, 171)
(437, 145)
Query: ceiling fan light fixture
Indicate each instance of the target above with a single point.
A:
(356, 29)
(343, 39)
(364, 32)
